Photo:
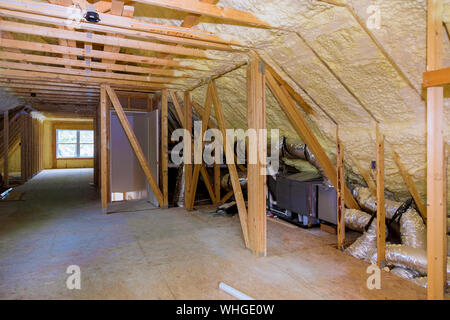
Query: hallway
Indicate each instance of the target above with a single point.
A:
(163, 254)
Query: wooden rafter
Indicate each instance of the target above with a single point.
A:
(381, 210)
(210, 10)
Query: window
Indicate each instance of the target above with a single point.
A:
(74, 144)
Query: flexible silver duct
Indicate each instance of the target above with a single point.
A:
(225, 183)
(356, 220)
(364, 245)
(368, 201)
(413, 230)
(405, 273)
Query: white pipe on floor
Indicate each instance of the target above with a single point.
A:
(235, 293)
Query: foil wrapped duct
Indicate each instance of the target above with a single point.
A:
(356, 220)
(295, 149)
(413, 230)
(405, 273)
(363, 247)
(399, 255)
(178, 194)
(421, 281)
(368, 201)
(225, 183)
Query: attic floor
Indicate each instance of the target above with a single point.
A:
(163, 254)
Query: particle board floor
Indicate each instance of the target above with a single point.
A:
(163, 254)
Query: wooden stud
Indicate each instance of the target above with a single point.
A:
(187, 151)
(164, 149)
(256, 172)
(5, 148)
(410, 185)
(231, 165)
(217, 181)
(436, 78)
(340, 215)
(134, 143)
(103, 151)
(436, 176)
(178, 109)
(198, 150)
(381, 210)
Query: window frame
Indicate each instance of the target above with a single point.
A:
(78, 144)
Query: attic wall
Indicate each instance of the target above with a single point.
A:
(349, 74)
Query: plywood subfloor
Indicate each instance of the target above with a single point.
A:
(163, 254)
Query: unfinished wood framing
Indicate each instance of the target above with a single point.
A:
(436, 173)
(304, 131)
(229, 155)
(104, 189)
(256, 167)
(164, 149)
(187, 151)
(5, 148)
(340, 197)
(134, 144)
(381, 210)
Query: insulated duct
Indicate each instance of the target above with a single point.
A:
(413, 230)
(368, 201)
(364, 245)
(225, 183)
(405, 273)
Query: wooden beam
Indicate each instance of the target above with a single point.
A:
(84, 73)
(340, 190)
(436, 78)
(164, 149)
(5, 148)
(304, 131)
(436, 175)
(64, 77)
(410, 185)
(178, 109)
(256, 172)
(134, 144)
(231, 165)
(300, 101)
(187, 151)
(381, 210)
(109, 20)
(104, 113)
(209, 10)
(51, 48)
(94, 65)
(198, 150)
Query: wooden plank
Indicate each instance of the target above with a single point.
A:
(93, 64)
(436, 175)
(436, 78)
(178, 109)
(256, 170)
(198, 150)
(99, 74)
(410, 185)
(217, 181)
(103, 151)
(134, 144)
(304, 131)
(340, 215)
(231, 165)
(209, 10)
(187, 151)
(64, 77)
(164, 149)
(113, 21)
(300, 101)
(5, 148)
(381, 210)
(58, 49)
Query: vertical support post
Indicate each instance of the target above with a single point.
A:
(381, 210)
(164, 149)
(436, 186)
(187, 149)
(5, 148)
(103, 149)
(22, 147)
(217, 181)
(256, 169)
(340, 214)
